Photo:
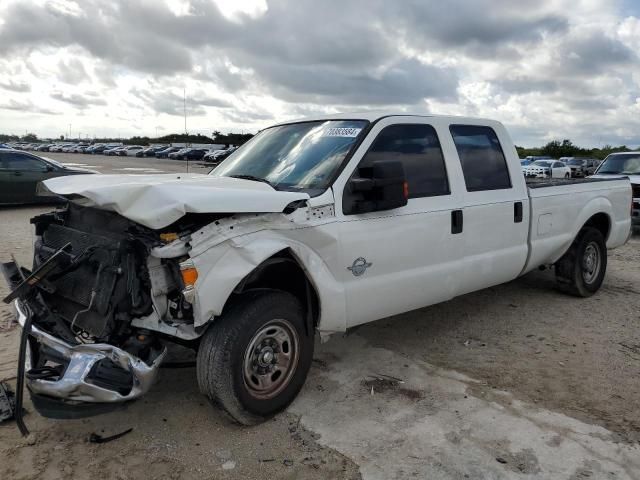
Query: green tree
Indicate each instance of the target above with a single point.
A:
(30, 137)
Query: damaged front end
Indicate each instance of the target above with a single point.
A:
(90, 280)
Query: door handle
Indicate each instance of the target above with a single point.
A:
(517, 212)
(456, 221)
(17, 174)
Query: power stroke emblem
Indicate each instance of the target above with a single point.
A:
(359, 266)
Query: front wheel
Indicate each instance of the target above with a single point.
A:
(255, 358)
(581, 270)
(567, 176)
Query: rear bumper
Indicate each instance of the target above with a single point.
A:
(77, 385)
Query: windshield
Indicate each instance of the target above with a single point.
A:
(541, 163)
(295, 156)
(621, 164)
(575, 162)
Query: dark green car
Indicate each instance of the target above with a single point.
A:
(20, 172)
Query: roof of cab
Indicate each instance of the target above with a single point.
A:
(374, 115)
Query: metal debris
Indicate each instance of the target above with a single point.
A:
(7, 403)
(95, 438)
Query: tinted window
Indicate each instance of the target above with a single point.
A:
(558, 165)
(20, 161)
(418, 148)
(481, 156)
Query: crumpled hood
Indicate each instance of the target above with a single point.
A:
(159, 200)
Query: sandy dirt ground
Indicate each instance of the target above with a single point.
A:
(517, 381)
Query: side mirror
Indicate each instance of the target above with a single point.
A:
(381, 186)
(49, 168)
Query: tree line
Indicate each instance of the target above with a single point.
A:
(566, 148)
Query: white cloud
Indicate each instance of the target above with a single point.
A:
(546, 68)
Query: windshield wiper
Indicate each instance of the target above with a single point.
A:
(254, 179)
(629, 173)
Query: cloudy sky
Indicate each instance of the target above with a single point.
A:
(546, 68)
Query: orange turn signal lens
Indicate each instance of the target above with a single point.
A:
(405, 190)
(189, 273)
(168, 237)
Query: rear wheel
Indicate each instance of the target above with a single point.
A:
(581, 270)
(255, 358)
(567, 176)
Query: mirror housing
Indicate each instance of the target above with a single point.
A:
(380, 186)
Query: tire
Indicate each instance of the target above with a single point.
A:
(581, 270)
(236, 359)
(567, 176)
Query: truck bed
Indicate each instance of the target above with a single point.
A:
(560, 207)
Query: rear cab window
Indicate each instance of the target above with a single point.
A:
(483, 162)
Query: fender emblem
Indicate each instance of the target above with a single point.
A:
(359, 266)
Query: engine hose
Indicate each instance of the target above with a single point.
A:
(22, 353)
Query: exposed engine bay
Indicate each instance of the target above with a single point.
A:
(92, 276)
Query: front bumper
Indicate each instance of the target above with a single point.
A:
(75, 385)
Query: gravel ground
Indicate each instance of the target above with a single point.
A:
(523, 347)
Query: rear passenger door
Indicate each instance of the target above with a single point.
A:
(495, 207)
(405, 258)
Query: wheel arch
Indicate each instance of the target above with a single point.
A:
(232, 268)
(600, 221)
(283, 271)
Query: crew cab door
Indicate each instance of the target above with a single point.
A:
(398, 260)
(495, 206)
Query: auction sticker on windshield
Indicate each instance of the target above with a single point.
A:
(342, 132)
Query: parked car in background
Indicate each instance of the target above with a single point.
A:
(69, 148)
(176, 154)
(150, 151)
(20, 172)
(101, 148)
(130, 150)
(114, 151)
(209, 156)
(92, 148)
(191, 154)
(624, 164)
(167, 151)
(58, 147)
(547, 169)
(582, 166)
(80, 148)
(44, 147)
(218, 155)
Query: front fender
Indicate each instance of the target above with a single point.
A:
(222, 267)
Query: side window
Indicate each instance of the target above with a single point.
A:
(558, 165)
(483, 163)
(22, 162)
(418, 148)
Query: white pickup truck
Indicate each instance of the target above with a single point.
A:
(315, 225)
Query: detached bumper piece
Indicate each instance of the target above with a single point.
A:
(82, 380)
